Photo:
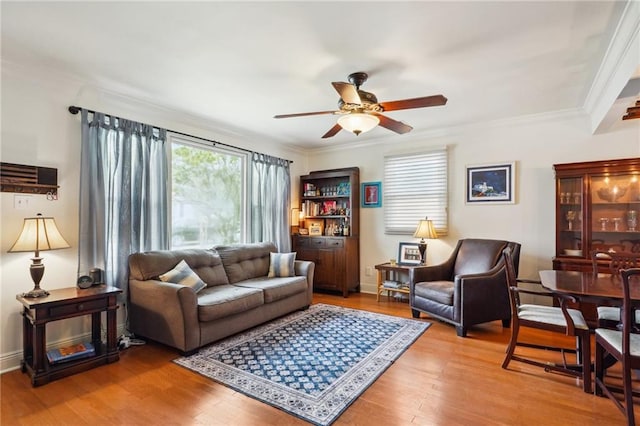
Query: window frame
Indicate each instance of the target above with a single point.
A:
(244, 156)
(407, 202)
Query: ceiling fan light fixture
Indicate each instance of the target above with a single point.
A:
(358, 122)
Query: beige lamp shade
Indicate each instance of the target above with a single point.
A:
(358, 122)
(425, 230)
(39, 234)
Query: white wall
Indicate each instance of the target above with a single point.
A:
(535, 144)
(37, 129)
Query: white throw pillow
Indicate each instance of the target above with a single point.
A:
(183, 275)
(282, 265)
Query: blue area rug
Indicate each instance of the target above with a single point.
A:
(312, 364)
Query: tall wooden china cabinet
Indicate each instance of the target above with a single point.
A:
(597, 206)
(330, 205)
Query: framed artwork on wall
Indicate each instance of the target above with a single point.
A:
(371, 194)
(491, 183)
(409, 254)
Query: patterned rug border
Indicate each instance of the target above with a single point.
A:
(322, 409)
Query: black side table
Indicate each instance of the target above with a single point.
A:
(59, 305)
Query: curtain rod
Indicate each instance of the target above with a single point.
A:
(76, 109)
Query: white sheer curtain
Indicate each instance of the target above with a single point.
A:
(270, 200)
(124, 194)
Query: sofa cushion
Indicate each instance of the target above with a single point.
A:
(439, 291)
(245, 261)
(281, 264)
(276, 288)
(206, 263)
(224, 300)
(183, 275)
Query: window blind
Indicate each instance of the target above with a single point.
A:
(415, 187)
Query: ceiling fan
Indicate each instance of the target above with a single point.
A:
(360, 111)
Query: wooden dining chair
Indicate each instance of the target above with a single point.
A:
(613, 262)
(624, 346)
(560, 319)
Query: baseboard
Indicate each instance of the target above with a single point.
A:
(369, 288)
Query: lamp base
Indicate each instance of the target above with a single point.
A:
(423, 250)
(37, 271)
(36, 292)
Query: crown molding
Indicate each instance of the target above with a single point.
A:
(620, 61)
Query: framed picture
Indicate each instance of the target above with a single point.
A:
(491, 183)
(371, 194)
(316, 227)
(409, 254)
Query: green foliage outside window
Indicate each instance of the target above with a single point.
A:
(207, 194)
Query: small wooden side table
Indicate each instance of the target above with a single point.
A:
(385, 272)
(62, 304)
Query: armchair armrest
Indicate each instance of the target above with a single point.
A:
(482, 295)
(431, 273)
(165, 312)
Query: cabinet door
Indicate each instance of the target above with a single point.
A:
(325, 274)
(614, 218)
(570, 218)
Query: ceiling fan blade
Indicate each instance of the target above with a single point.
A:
(391, 124)
(332, 132)
(427, 101)
(303, 114)
(347, 92)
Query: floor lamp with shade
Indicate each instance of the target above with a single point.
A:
(425, 230)
(38, 234)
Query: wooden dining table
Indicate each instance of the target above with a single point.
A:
(589, 287)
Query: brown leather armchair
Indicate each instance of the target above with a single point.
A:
(469, 288)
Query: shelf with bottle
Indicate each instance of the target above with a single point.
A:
(326, 189)
(337, 227)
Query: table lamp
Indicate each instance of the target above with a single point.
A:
(38, 234)
(425, 230)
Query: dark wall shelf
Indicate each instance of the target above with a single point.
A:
(25, 179)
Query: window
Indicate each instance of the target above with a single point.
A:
(415, 187)
(208, 193)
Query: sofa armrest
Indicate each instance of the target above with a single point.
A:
(306, 268)
(165, 312)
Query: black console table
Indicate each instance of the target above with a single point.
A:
(59, 305)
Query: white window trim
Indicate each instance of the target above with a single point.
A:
(204, 144)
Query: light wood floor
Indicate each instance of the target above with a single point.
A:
(441, 379)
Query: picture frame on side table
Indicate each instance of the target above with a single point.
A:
(491, 183)
(371, 194)
(409, 254)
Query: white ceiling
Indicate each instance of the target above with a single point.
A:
(240, 63)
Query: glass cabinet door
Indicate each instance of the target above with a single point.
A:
(614, 217)
(570, 217)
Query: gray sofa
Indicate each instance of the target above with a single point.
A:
(238, 294)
